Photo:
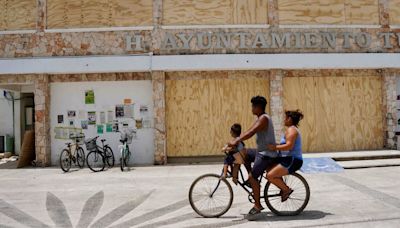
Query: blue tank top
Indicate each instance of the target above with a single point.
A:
(296, 151)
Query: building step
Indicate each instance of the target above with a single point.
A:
(358, 164)
(357, 155)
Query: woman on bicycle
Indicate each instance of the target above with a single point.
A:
(291, 159)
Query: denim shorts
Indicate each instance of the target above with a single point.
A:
(291, 163)
(261, 162)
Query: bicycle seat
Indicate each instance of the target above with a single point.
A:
(68, 144)
(103, 140)
(123, 140)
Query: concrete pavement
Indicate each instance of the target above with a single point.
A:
(158, 197)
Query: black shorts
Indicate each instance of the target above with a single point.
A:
(229, 160)
(261, 162)
(291, 163)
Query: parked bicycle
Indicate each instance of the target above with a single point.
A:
(99, 156)
(211, 196)
(126, 139)
(78, 155)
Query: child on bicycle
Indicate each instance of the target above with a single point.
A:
(236, 130)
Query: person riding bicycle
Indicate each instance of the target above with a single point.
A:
(236, 130)
(262, 157)
(292, 158)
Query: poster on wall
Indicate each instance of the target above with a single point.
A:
(89, 97)
(71, 114)
(119, 111)
(129, 111)
(60, 119)
(84, 124)
(81, 114)
(100, 129)
(109, 127)
(110, 116)
(115, 126)
(66, 132)
(139, 123)
(92, 118)
(102, 117)
(127, 101)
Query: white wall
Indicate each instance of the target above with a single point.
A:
(6, 119)
(71, 96)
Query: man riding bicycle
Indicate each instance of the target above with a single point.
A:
(262, 157)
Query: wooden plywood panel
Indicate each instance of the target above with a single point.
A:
(366, 112)
(250, 12)
(98, 13)
(200, 113)
(177, 12)
(299, 93)
(18, 14)
(208, 12)
(330, 110)
(346, 112)
(311, 12)
(132, 13)
(362, 12)
(394, 12)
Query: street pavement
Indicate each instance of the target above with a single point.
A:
(157, 196)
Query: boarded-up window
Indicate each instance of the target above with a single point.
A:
(328, 12)
(210, 12)
(17, 14)
(98, 13)
(341, 113)
(201, 107)
(394, 12)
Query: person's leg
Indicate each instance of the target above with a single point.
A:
(275, 177)
(225, 170)
(258, 170)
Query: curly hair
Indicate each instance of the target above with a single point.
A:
(295, 115)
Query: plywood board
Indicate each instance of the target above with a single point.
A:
(344, 113)
(199, 113)
(311, 12)
(362, 12)
(98, 13)
(207, 12)
(18, 14)
(299, 93)
(394, 12)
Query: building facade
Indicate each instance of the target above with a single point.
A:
(191, 67)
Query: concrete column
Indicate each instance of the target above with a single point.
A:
(389, 109)
(384, 13)
(42, 120)
(41, 15)
(273, 15)
(160, 153)
(157, 22)
(276, 102)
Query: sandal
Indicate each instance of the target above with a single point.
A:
(285, 196)
(255, 211)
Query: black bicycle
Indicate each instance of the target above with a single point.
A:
(211, 196)
(78, 157)
(99, 156)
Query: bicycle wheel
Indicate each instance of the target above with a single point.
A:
(124, 159)
(65, 160)
(297, 201)
(80, 157)
(210, 196)
(95, 161)
(109, 156)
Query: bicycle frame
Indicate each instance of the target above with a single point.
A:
(243, 184)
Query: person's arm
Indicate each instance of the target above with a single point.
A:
(291, 135)
(260, 124)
